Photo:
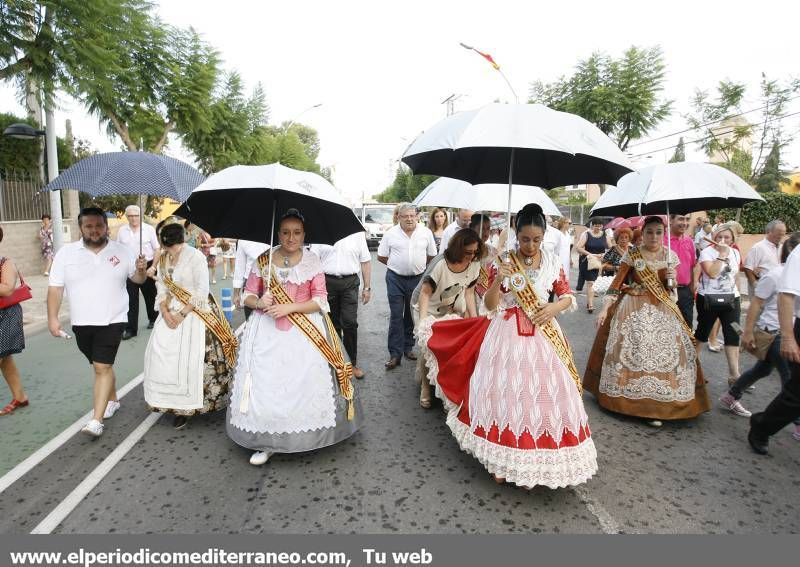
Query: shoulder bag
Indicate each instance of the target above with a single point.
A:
(22, 293)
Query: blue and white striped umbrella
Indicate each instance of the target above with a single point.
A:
(130, 173)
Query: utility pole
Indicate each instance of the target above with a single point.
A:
(449, 101)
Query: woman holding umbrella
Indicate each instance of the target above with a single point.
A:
(191, 352)
(286, 397)
(643, 362)
(509, 381)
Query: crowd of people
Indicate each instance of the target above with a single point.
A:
(475, 312)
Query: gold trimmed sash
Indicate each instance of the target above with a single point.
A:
(529, 302)
(213, 319)
(330, 350)
(653, 284)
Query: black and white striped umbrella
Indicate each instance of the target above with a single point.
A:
(130, 173)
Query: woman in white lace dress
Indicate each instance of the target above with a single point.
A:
(286, 398)
(643, 362)
(509, 381)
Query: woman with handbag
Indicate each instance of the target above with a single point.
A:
(592, 246)
(761, 336)
(718, 298)
(643, 362)
(12, 338)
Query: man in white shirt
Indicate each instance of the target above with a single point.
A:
(94, 271)
(128, 236)
(342, 263)
(247, 252)
(461, 221)
(785, 408)
(406, 249)
(700, 242)
(763, 256)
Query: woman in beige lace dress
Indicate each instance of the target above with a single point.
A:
(643, 362)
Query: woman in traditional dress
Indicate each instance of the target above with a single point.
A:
(191, 352)
(592, 245)
(447, 290)
(509, 381)
(643, 362)
(293, 388)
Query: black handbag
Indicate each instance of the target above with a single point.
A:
(719, 302)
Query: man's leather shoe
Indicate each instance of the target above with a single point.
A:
(411, 356)
(127, 335)
(357, 372)
(151, 324)
(758, 444)
(393, 362)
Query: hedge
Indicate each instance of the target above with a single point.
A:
(755, 216)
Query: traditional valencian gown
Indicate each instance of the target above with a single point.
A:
(511, 389)
(186, 370)
(286, 397)
(643, 362)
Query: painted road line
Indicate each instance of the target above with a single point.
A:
(51, 446)
(81, 491)
(607, 522)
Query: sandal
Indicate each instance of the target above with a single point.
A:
(13, 406)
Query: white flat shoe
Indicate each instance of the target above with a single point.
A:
(654, 423)
(259, 458)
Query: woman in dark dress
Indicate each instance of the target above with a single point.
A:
(592, 246)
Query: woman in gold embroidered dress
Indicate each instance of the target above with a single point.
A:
(643, 362)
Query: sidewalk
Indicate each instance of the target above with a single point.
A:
(34, 311)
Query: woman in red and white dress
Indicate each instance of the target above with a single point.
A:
(508, 380)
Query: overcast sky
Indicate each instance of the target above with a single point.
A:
(381, 69)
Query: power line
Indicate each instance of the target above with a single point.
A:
(709, 136)
(707, 124)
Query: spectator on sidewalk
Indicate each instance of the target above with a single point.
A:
(128, 235)
(94, 271)
(46, 242)
(12, 338)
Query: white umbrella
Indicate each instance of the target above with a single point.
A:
(527, 144)
(678, 188)
(490, 197)
(681, 188)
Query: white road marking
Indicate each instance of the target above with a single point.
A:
(53, 445)
(607, 522)
(75, 497)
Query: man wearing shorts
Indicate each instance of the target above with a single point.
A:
(94, 272)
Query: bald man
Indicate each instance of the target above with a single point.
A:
(462, 221)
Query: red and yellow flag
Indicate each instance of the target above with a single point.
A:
(488, 58)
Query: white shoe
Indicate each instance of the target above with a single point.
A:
(714, 348)
(94, 428)
(259, 458)
(733, 405)
(654, 423)
(111, 408)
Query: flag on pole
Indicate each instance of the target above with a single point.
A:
(488, 58)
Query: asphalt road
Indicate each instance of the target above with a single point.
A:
(403, 473)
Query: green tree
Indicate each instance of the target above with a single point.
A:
(23, 155)
(771, 176)
(680, 152)
(53, 43)
(620, 96)
(405, 187)
(164, 84)
(734, 142)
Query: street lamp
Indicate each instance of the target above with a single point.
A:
(293, 120)
(27, 132)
